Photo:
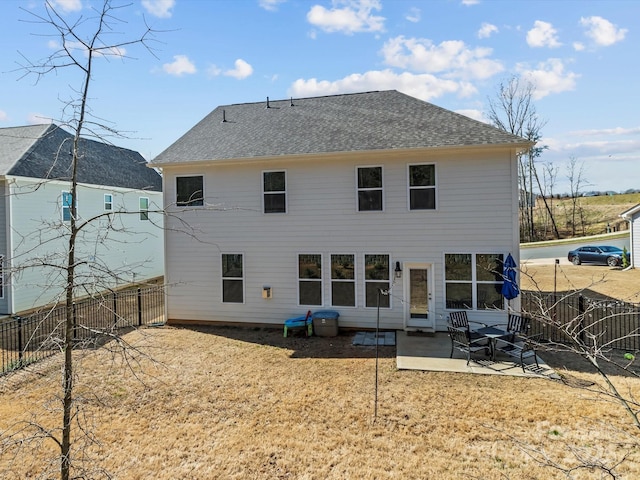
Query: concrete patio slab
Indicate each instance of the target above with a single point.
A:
(430, 352)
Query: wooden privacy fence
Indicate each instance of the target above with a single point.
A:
(28, 339)
(616, 324)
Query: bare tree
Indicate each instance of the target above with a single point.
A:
(575, 175)
(603, 334)
(83, 45)
(512, 110)
(549, 175)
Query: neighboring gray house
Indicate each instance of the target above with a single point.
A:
(124, 244)
(321, 203)
(633, 217)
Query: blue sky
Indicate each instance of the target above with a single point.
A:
(580, 55)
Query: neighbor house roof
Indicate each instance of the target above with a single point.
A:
(43, 151)
(370, 121)
(628, 214)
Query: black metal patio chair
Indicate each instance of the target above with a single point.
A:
(522, 349)
(459, 319)
(460, 341)
(517, 326)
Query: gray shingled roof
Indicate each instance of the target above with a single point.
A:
(42, 151)
(339, 123)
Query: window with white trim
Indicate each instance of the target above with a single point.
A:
(274, 192)
(310, 279)
(422, 187)
(376, 277)
(232, 278)
(108, 202)
(190, 191)
(343, 280)
(66, 206)
(144, 208)
(473, 281)
(369, 189)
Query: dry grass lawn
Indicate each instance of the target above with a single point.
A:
(593, 280)
(232, 403)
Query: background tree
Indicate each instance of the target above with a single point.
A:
(575, 175)
(83, 46)
(512, 110)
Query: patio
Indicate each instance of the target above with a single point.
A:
(430, 352)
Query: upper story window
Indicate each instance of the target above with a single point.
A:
(473, 281)
(190, 191)
(144, 208)
(422, 187)
(232, 278)
(108, 202)
(66, 206)
(274, 192)
(310, 279)
(369, 187)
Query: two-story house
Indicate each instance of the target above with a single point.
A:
(118, 195)
(280, 207)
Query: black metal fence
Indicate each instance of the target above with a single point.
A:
(613, 323)
(28, 339)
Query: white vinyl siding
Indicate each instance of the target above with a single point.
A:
(133, 249)
(477, 211)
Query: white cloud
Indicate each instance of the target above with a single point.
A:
(473, 113)
(271, 5)
(602, 31)
(159, 8)
(607, 131)
(486, 29)
(542, 35)
(38, 119)
(241, 71)
(67, 5)
(578, 46)
(549, 77)
(452, 57)
(354, 16)
(180, 66)
(423, 86)
(213, 71)
(3, 116)
(414, 15)
(469, 3)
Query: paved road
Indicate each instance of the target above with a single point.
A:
(548, 254)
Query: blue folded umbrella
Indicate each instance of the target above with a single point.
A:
(510, 288)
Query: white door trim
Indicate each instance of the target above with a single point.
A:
(426, 324)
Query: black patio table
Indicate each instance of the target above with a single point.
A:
(493, 334)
